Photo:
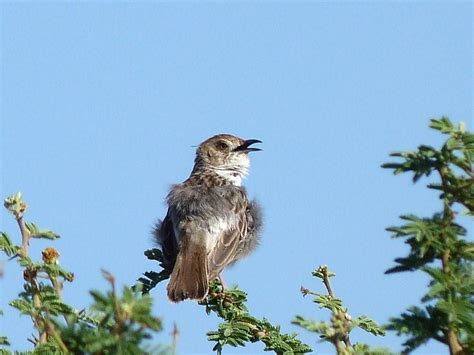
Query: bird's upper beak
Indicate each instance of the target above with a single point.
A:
(245, 146)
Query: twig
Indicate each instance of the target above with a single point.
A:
(119, 316)
(25, 233)
(343, 316)
(175, 336)
(305, 291)
(324, 272)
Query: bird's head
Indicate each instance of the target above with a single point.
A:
(226, 155)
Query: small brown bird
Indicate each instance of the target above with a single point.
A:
(210, 222)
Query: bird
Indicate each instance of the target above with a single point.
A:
(210, 223)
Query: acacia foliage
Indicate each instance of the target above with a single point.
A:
(337, 330)
(437, 244)
(116, 323)
(238, 327)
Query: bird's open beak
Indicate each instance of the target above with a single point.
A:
(245, 147)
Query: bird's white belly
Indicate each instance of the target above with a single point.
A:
(218, 226)
(208, 234)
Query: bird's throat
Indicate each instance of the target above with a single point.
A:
(233, 176)
(218, 176)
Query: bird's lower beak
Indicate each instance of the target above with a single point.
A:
(246, 146)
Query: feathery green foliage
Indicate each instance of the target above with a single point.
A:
(115, 325)
(120, 324)
(337, 332)
(437, 244)
(152, 278)
(239, 326)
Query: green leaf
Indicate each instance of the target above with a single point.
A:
(41, 234)
(311, 325)
(333, 304)
(23, 306)
(240, 327)
(152, 278)
(369, 325)
(444, 125)
(7, 246)
(4, 341)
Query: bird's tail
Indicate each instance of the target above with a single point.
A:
(190, 277)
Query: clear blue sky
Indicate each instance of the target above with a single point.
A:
(102, 104)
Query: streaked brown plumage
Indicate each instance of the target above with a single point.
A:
(210, 222)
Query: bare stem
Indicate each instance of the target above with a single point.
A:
(175, 336)
(305, 291)
(324, 272)
(25, 236)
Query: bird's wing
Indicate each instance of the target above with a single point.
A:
(228, 242)
(165, 237)
(252, 237)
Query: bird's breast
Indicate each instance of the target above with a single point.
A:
(205, 213)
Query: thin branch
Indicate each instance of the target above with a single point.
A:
(175, 336)
(340, 314)
(324, 272)
(17, 207)
(25, 235)
(305, 291)
(119, 317)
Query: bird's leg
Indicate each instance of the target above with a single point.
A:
(221, 280)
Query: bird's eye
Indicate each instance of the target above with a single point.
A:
(222, 146)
